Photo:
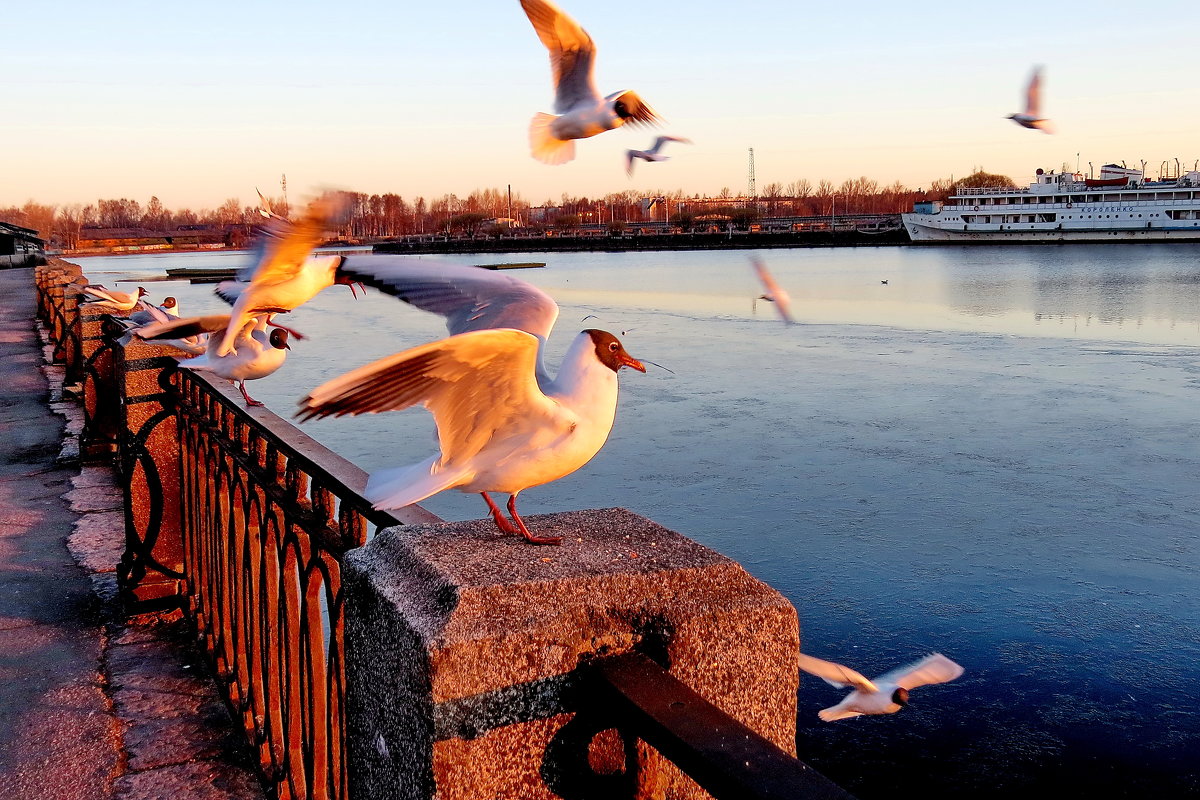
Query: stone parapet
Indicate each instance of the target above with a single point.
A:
(467, 654)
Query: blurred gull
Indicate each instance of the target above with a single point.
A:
(1031, 117)
(652, 153)
(774, 292)
(286, 275)
(582, 112)
(887, 694)
(504, 425)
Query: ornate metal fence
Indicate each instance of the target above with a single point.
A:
(267, 514)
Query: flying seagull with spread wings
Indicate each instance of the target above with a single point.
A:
(887, 694)
(581, 111)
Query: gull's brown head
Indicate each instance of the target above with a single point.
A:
(611, 353)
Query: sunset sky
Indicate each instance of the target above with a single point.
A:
(202, 102)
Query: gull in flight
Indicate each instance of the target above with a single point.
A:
(581, 111)
(652, 153)
(102, 297)
(887, 694)
(259, 352)
(774, 292)
(1031, 118)
(504, 424)
(286, 275)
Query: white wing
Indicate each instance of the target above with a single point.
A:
(934, 668)
(1033, 100)
(774, 291)
(449, 377)
(835, 674)
(572, 54)
(661, 140)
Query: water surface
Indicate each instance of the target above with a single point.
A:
(993, 455)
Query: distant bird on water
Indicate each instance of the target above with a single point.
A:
(258, 352)
(774, 292)
(582, 112)
(102, 297)
(286, 275)
(504, 425)
(1031, 117)
(887, 694)
(652, 153)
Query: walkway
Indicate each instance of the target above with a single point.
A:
(90, 706)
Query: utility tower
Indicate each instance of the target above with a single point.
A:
(283, 185)
(751, 191)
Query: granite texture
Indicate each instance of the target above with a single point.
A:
(465, 652)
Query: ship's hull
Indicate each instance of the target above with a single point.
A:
(925, 229)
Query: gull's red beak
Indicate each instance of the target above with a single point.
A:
(627, 360)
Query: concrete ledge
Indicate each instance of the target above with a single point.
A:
(463, 650)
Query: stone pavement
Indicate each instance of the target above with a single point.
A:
(91, 705)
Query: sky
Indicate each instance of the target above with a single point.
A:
(198, 103)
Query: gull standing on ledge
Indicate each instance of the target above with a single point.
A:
(887, 694)
(582, 112)
(258, 353)
(1031, 118)
(503, 424)
(101, 297)
(652, 153)
(287, 275)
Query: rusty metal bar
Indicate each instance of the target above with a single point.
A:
(727, 759)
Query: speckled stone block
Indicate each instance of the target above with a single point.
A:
(151, 568)
(465, 653)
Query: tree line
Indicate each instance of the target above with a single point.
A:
(382, 216)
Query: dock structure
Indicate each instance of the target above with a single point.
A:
(368, 654)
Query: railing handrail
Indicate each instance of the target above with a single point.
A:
(729, 760)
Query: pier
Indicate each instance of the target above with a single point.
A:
(357, 653)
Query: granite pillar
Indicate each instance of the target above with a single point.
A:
(467, 654)
(150, 574)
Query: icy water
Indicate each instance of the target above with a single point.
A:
(994, 455)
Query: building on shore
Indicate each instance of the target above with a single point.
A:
(20, 247)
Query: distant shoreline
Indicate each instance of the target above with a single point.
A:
(650, 242)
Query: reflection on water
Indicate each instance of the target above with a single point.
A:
(994, 455)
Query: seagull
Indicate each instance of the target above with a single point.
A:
(1031, 118)
(581, 111)
(286, 275)
(166, 312)
(258, 353)
(774, 292)
(117, 301)
(504, 425)
(887, 694)
(652, 153)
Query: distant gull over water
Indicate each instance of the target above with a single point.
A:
(258, 353)
(504, 425)
(774, 292)
(651, 154)
(582, 112)
(1031, 117)
(887, 694)
(286, 275)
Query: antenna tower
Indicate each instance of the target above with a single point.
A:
(283, 185)
(750, 180)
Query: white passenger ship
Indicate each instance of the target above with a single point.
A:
(1117, 206)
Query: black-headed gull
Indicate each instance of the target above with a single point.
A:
(258, 353)
(1031, 117)
(887, 694)
(774, 292)
(165, 312)
(582, 112)
(102, 297)
(504, 425)
(286, 275)
(652, 153)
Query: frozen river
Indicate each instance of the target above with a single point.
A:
(994, 455)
